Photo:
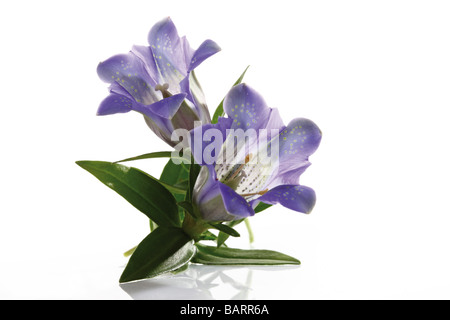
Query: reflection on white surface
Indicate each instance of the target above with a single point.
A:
(200, 282)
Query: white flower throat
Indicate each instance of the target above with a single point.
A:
(247, 179)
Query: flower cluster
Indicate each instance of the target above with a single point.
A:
(239, 163)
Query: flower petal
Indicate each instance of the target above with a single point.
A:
(274, 121)
(128, 71)
(145, 54)
(288, 177)
(295, 197)
(160, 116)
(199, 141)
(114, 103)
(207, 197)
(301, 136)
(246, 108)
(234, 203)
(205, 183)
(168, 52)
(297, 142)
(165, 108)
(161, 127)
(206, 50)
(215, 201)
(192, 87)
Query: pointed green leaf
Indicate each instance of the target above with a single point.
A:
(225, 229)
(152, 225)
(143, 191)
(163, 250)
(176, 175)
(219, 111)
(160, 154)
(129, 252)
(207, 235)
(232, 256)
(194, 170)
(223, 236)
(172, 189)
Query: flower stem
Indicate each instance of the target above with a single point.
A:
(193, 227)
(251, 237)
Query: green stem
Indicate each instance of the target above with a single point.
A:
(251, 237)
(193, 227)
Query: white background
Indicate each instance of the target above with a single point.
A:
(374, 76)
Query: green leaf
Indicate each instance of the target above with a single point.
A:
(223, 236)
(172, 189)
(232, 256)
(163, 250)
(225, 229)
(160, 154)
(219, 111)
(186, 205)
(141, 190)
(177, 187)
(129, 252)
(194, 170)
(152, 225)
(262, 206)
(207, 235)
(175, 175)
(183, 268)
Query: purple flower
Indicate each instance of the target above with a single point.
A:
(266, 166)
(157, 81)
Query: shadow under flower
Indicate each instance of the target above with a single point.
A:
(200, 282)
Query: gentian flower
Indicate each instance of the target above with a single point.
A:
(226, 191)
(157, 81)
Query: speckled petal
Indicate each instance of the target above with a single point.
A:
(246, 108)
(128, 71)
(114, 103)
(206, 50)
(145, 54)
(294, 197)
(300, 137)
(297, 142)
(168, 52)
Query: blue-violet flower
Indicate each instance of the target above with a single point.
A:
(227, 190)
(157, 81)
